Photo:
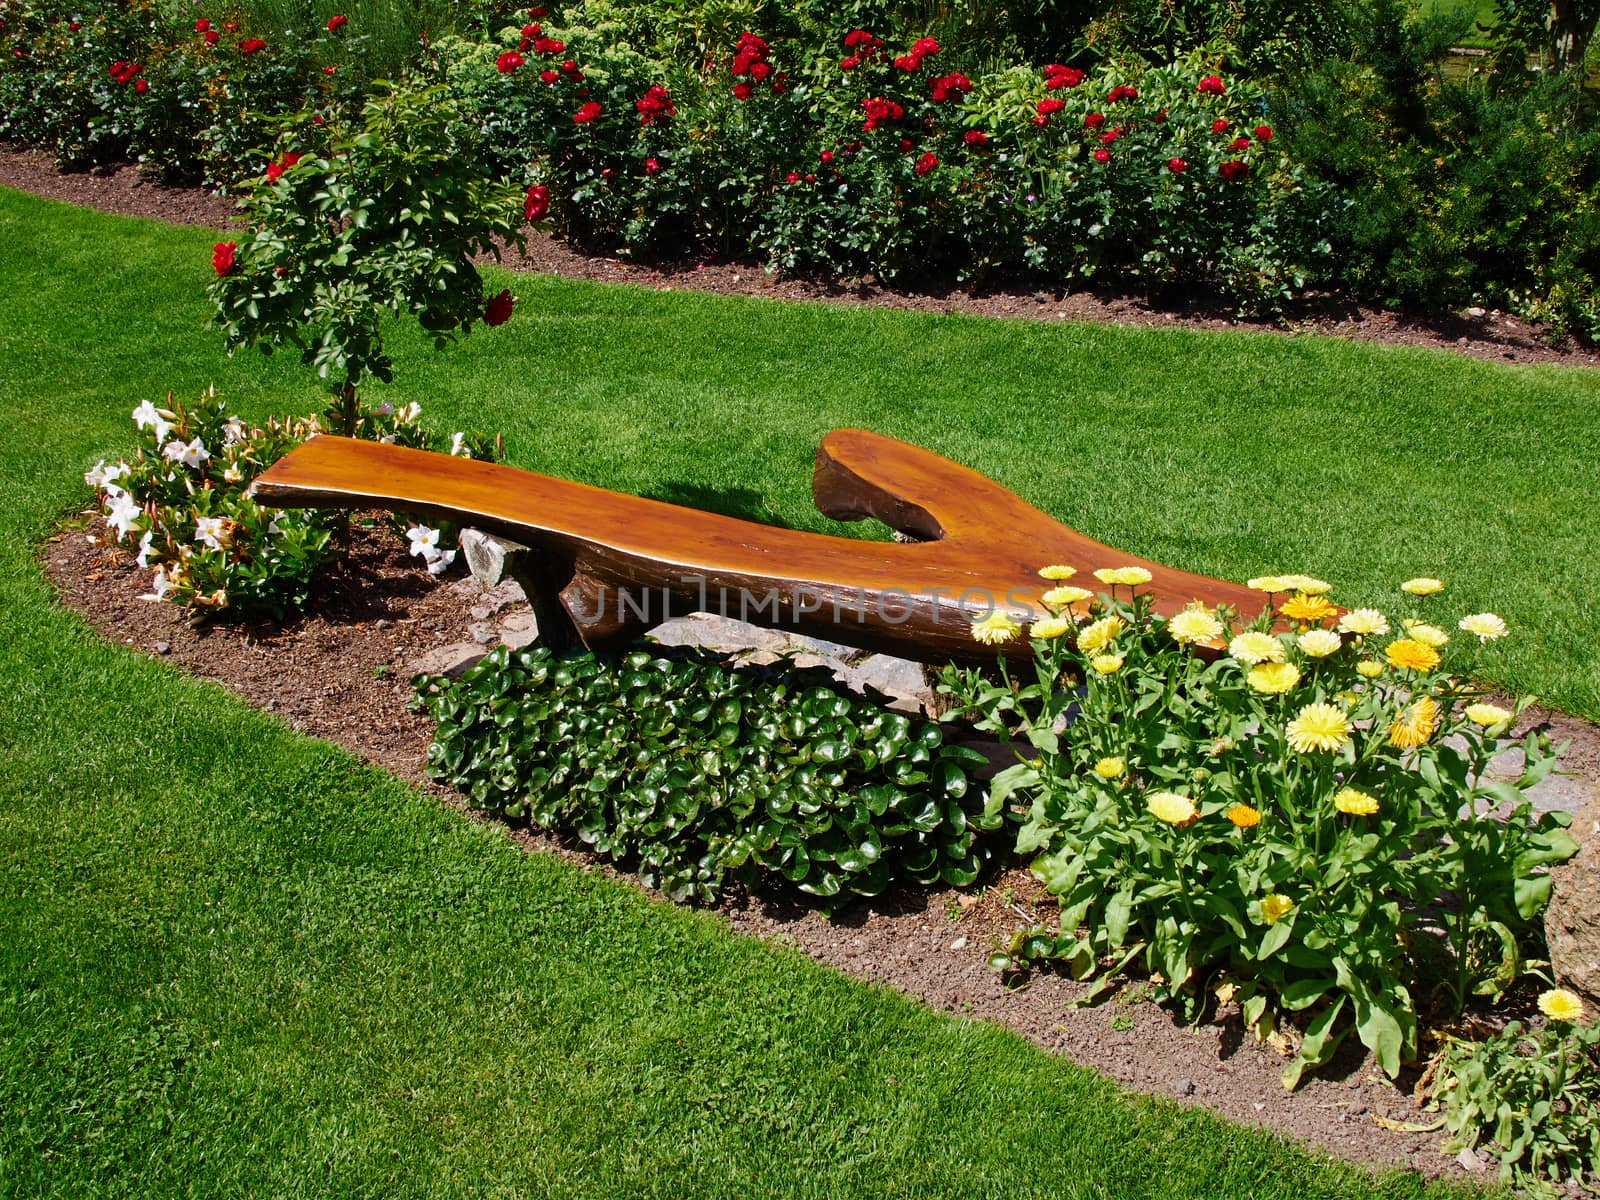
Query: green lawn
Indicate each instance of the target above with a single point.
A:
(236, 962)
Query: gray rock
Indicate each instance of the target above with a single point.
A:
(487, 555)
(712, 632)
(1184, 1087)
(1572, 922)
(518, 629)
(481, 632)
(451, 659)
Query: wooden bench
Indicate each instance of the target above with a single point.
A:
(610, 566)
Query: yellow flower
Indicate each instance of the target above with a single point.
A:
(1255, 647)
(1487, 715)
(1062, 596)
(1357, 804)
(1561, 1005)
(1369, 668)
(1306, 608)
(1414, 724)
(1106, 664)
(1196, 623)
(1487, 626)
(1319, 726)
(1171, 808)
(1319, 643)
(1363, 622)
(1057, 571)
(1268, 583)
(1273, 679)
(1110, 768)
(1428, 635)
(1102, 633)
(1243, 816)
(1049, 627)
(1129, 576)
(1275, 907)
(1411, 655)
(997, 627)
(1422, 587)
(1306, 584)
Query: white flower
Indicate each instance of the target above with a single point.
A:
(148, 416)
(233, 474)
(213, 532)
(106, 478)
(144, 548)
(190, 455)
(458, 445)
(233, 431)
(122, 513)
(409, 414)
(440, 562)
(95, 476)
(424, 541)
(161, 584)
(273, 526)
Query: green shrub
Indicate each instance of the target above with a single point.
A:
(1281, 821)
(699, 773)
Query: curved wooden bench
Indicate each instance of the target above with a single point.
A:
(610, 566)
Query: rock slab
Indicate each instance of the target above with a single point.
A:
(1572, 922)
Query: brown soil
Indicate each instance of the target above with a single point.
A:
(1491, 335)
(339, 672)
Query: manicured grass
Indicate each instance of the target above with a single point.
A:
(236, 962)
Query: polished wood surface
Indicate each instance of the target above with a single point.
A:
(610, 566)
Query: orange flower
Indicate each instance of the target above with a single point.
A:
(1414, 725)
(1244, 816)
(1307, 608)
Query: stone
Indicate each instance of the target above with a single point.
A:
(487, 555)
(1184, 1087)
(1572, 922)
(518, 629)
(712, 632)
(481, 632)
(449, 660)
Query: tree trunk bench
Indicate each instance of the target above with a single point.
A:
(607, 567)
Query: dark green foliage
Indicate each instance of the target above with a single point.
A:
(699, 773)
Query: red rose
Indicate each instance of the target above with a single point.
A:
(536, 203)
(141, 86)
(924, 46)
(529, 32)
(1177, 166)
(202, 25)
(1263, 133)
(1110, 136)
(926, 163)
(811, 178)
(1041, 121)
(1093, 120)
(1220, 125)
(1047, 106)
(232, 27)
(760, 70)
(792, 177)
(212, 37)
(274, 172)
(1211, 85)
(950, 88)
(251, 46)
(741, 91)
(327, 70)
(548, 76)
(780, 83)
(336, 23)
(1102, 155)
(537, 12)
(849, 64)
(1057, 77)
(1122, 92)
(508, 62)
(73, 27)
(586, 113)
(1233, 169)
(1239, 143)
(825, 157)
(975, 137)
(651, 166)
(1159, 117)
(498, 311)
(908, 62)
(547, 45)
(222, 257)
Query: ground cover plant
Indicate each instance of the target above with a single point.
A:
(289, 974)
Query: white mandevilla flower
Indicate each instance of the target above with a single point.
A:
(233, 431)
(409, 414)
(233, 474)
(424, 541)
(148, 416)
(122, 513)
(145, 548)
(440, 562)
(458, 445)
(95, 476)
(190, 454)
(163, 583)
(213, 532)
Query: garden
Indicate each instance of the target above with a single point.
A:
(1291, 841)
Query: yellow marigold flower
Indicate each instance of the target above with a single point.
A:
(1422, 587)
(1268, 583)
(997, 627)
(1275, 907)
(1106, 664)
(1255, 647)
(1197, 623)
(1049, 627)
(1100, 634)
(1273, 679)
(1128, 576)
(1057, 571)
(1487, 715)
(1487, 626)
(1319, 726)
(1364, 622)
(1062, 596)
(1171, 808)
(1306, 608)
(1428, 635)
(1411, 655)
(1357, 804)
(1561, 1005)
(1414, 724)
(1319, 643)
(1369, 668)
(1307, 584)
(1243, 816)
(1110, 768)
